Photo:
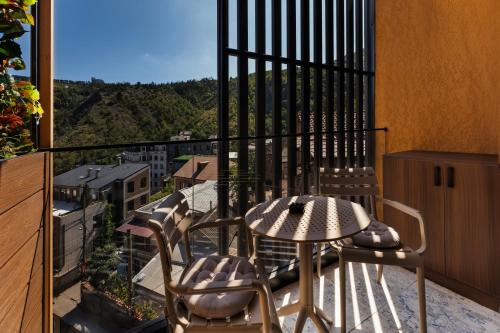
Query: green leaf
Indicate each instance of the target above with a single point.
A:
(18, 64)
(10, 49)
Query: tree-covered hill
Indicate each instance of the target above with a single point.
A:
(96, 113)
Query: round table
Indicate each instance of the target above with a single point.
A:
(324, 220)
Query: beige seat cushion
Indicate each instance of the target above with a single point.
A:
(378, 235)
(217, 268)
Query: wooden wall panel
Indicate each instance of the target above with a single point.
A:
(20, 178)
(15, 276)
(23, 197)
(32, 316)
(18, 225)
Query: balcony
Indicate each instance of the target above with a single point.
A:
(405, 89)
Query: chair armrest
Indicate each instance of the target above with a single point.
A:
(413, 213)
(216, 287)
(217, 223)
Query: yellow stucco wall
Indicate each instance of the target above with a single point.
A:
(437, 75)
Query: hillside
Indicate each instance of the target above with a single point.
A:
(95, 113)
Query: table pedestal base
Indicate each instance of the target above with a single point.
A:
(305, 306)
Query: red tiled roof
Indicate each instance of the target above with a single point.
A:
(137, 228)
(207, 172)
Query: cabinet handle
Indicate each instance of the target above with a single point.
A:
(437, 176)
(451, 177)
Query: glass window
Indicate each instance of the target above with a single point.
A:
(130, 205)
(130, 187)
(144, 182)
(144, 199)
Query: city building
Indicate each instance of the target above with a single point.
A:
(156, 157)
(196, 148)
(196, 171)
(124, 186)
(68, 220)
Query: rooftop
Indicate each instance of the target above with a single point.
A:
(97, 176)
(199, 168)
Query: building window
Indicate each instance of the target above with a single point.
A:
(161, 158)
(144, 182)
(130, 187)
(144, 158)
(156, 158)
(161, 166)
(144, 199)
(130, 205)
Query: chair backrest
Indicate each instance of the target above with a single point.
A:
(354, 184)
(169, 222)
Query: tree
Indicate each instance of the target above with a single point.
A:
(108, 225)
(102, 266)
(167, 190)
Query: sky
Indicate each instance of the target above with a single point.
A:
(145, 41)
(135, 41)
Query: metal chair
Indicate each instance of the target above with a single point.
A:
(172, 223)
(360, 185)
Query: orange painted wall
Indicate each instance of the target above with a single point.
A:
(437, 75)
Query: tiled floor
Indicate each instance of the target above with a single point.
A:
(391, 306)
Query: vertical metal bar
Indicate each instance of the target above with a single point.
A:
(306, 92)
(318, 89)
(360, 100)
(330, 82)
(350, 85)
(130, 269)
(223, 120)
(276, 99)
(260, 100)
(341, 84)
(242, 122)
(292, 96)
(370, 85)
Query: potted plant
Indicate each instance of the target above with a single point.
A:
(19, 100)
(19, 107)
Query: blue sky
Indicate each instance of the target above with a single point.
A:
(126, 40)
(145, 41)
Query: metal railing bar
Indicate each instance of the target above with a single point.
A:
(170, 143)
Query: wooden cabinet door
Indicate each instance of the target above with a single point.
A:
(396, 188)
(412, 182)
(426, 193)
(471, 247)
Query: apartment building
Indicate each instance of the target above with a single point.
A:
(156, 157)
(125, 186)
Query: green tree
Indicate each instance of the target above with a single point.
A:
(167, 190)
(102, 266)
(108, 224)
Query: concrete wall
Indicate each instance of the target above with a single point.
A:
(437, 75)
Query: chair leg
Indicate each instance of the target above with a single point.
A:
(342, 294)
(421, 299)
(380, 270)
(318, 259)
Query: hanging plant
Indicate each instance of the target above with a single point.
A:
(19, 100)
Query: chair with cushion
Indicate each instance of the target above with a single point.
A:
(214, 293)
(378, 244)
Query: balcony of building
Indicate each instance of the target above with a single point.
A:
(304, 88)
